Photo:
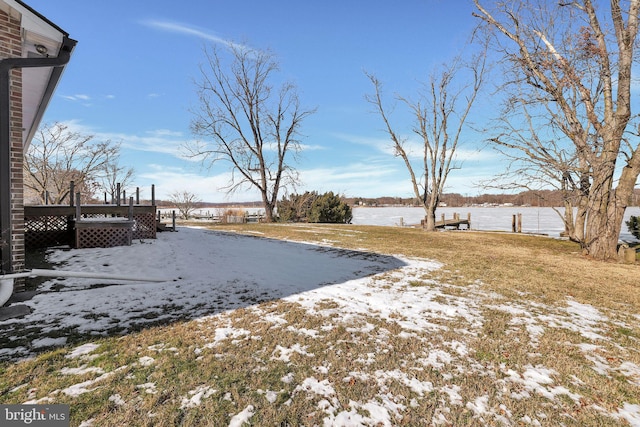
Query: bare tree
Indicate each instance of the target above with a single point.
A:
(58, 155)
(114, 174)
(541, 158)
(439, 116)
(244, 120)
(185, 201)
(576, 60)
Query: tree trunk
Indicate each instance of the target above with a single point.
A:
(569, 226)
(603, 232)
(430, 209)
(605, 221)
(430, 221)
(268, 211)
(574, 222)
(580, 221)
(605, 213)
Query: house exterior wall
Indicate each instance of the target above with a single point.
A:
(11, 47)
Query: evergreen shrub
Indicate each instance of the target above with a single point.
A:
(314, 207)
(634, 226)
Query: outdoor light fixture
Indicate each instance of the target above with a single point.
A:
(41, 49)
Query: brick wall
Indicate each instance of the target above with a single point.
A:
(11, 47)
(17, 171)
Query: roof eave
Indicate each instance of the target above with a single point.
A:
(54, 78)
(40, 30)
(32, 11)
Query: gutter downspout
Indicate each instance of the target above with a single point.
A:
(6, 280)
(6, 65)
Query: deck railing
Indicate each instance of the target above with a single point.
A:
(54, 225)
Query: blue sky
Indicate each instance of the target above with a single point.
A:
(131, 79)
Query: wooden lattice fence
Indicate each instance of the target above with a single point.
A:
(54, 225)
(48, 230)
(103, 234)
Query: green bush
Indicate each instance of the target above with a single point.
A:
(296, 207)
(634, 226)
(330, 208)
(313, 207)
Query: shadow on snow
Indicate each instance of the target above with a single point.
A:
(207, 272)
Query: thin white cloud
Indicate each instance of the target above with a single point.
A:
(415, 148)
(84, 98)
(366, 179)
(164, 141)
(381, 144)
(484, 155)
(357, 179)
(165, 133)
(158, 141)
(150, 141)
(307, 147)
(78, 97)
(191, 30)
(352, 172)
(209, 188)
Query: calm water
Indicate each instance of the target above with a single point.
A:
(534, 219)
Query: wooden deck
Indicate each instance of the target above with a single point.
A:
(87, 210)
(51, 225)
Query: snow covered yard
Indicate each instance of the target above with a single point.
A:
(206, 272)
(265, 332)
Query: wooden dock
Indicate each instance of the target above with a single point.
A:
(454, 222)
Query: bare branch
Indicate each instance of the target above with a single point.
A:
(185, 201)
(439, 116)
(58, 155)
(243, 120)
(568, 67)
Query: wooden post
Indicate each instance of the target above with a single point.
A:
(519, 223)
(630, 255)
(173, 220)
(105, 198)
(131, 208)
(468, 220)
(137, 195)
(118, 194)
(153, 194)
(513, 223)
(78, 210)
(46, 197)
(72, 191)
(124, 195)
